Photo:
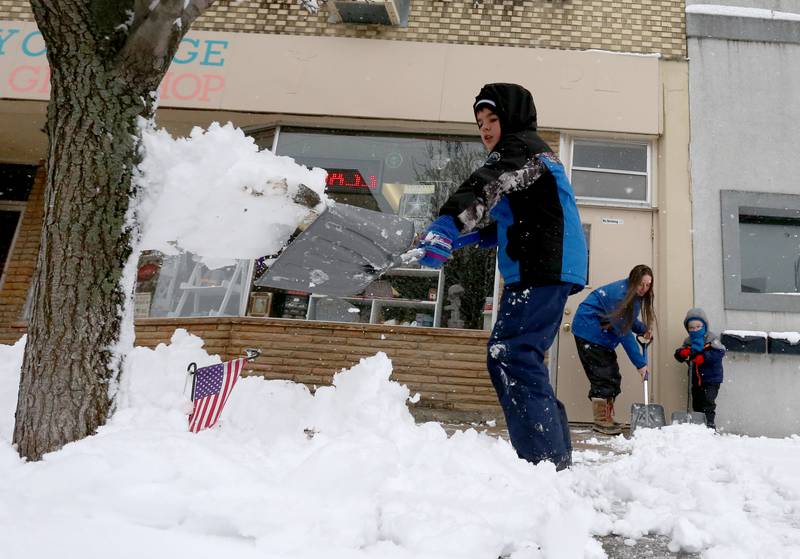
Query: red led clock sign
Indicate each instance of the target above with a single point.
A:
(346, 179)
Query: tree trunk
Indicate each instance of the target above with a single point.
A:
(105, 59)
(77, 298)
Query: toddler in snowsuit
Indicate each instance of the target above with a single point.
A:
(703, 351)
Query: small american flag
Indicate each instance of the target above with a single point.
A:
(212, 386)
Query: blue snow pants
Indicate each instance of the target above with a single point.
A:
(527, 323)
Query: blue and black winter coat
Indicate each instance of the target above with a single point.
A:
(522, 201)
(592, 322)
(710, 371)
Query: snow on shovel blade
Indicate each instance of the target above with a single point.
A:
(344, 250)
(696, 417)
(647, 415)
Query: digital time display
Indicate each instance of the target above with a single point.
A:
(344, 180)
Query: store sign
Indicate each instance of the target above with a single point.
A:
(346, 180)
(196, 77)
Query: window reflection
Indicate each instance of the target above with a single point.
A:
(610, 170)
(770, 253)
(404, 175)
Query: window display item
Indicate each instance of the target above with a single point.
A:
(344, 250)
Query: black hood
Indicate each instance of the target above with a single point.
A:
(513, 104)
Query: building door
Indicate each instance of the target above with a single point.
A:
(618, 240)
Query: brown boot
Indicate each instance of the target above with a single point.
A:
(602, 417)
(611, 414)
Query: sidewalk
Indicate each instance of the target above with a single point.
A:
(583, 438)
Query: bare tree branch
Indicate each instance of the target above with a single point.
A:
(157, 29)
(194, 9)
(140, 10)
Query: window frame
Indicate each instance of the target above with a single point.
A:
(568, 148)
(731, 204)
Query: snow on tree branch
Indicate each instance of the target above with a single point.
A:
(312, 6)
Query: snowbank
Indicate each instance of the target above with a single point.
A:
(346, 473)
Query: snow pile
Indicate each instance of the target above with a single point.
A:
(217, 195)
(729, 496)
(346, 473)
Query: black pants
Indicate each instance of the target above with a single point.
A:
(601, 368)
(704, 399)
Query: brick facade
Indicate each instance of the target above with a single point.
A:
(447, 367)
(640, 26)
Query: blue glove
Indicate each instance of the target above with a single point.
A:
(438, 242)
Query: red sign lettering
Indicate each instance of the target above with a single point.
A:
(349, 178)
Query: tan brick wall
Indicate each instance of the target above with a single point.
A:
(638, 26)
(21, 262)
(447, 367)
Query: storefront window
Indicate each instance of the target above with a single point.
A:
(761, 250)
(16, 182)
(9, 218)
(410, 176)
(770, 251)
(404, 175)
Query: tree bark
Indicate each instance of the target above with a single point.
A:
(78, 301)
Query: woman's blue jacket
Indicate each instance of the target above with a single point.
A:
(593, 325)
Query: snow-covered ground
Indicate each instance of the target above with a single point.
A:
(346, 473)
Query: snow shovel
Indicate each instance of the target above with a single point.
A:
(696, 417)
(344, 250)
(647, 414)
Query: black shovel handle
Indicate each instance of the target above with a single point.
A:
(644, 343)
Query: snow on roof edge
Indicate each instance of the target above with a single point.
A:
(738, 11)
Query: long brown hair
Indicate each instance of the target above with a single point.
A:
(624, 311)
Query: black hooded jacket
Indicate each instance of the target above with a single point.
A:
(524, 188)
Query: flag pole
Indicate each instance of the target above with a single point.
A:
(190, 370)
